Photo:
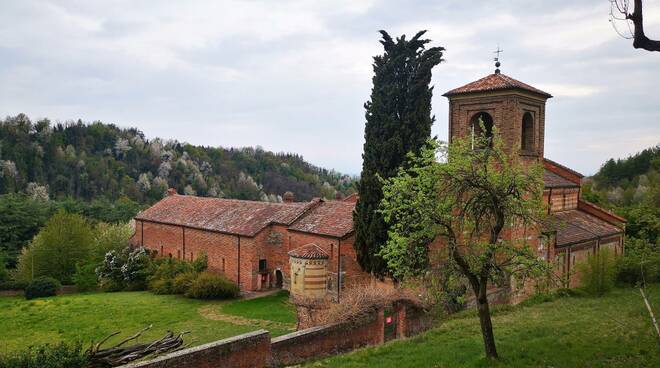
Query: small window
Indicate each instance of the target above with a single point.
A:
(223, 265)
(481, 126)
(527, 133)
(262, 265)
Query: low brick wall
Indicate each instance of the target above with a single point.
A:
(415, 321)
(243, 351)
(256, 349)
(317, 342)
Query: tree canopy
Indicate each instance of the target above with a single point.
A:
(399, 121)
(465, 204)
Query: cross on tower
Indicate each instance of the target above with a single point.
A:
(497, 59)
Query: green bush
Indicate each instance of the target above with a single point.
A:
(110, 285)
(13, 285)
(200, 263)
(183, 282)
(62, 355)
(208, 285)
(42, 286)
(640, 258)
(85, 277)
(62, 243)
(4, 274)
(164, 271)
(161, 286)
(598, 272)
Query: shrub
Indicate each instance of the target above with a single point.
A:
(64, 242)
(598, 272)
(183, 282)
(62, 355)
(109, 285)
(41, 286)
(13, 285)
(640, 259)
(85, 277)
(127, 269)
(4, 274)
(164, 271)
(200, 263)
(208, 285)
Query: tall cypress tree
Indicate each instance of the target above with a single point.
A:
(398, 121)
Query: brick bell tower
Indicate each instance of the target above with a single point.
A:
(515, 108)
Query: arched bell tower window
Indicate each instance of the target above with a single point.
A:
(479, 121)
(527, 133)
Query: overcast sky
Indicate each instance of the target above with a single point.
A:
(293, 75)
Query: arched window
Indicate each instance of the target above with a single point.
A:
(527, 134)
(481, 120)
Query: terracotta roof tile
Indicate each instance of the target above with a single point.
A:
(224, 215)
(576, 226)
(495, 82)
(331, 218)
(309, 251)
(553, 180)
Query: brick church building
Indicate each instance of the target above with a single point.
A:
(252, 243)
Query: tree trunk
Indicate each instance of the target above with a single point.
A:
(486, 323)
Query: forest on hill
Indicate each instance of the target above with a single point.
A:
(631, 188)
(108, 174)
(88, 161)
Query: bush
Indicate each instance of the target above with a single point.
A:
(127, 269)
(13, 285)
(183, 282)
(47, 356)
(200, 263)
(164, 271)
(208, 285)
(641, 258)
(598, 272)
(41, 286)
(85, 277)
(64, 242)
(109, 285)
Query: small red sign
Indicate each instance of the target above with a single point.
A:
(388, 320)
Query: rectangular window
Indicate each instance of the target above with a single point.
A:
(178, 253)
(161, 250)
(223, 265)
(342, 274)
(262, 265)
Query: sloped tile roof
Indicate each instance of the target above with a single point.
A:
(309, 251)
(553, 180)
(230, 216)
(576, 226)
(495, 82)
(331, 218)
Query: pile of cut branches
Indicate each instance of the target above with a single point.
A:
(119, 354)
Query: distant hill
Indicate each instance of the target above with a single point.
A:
(87, 161)
(631, 187)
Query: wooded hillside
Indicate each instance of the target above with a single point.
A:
(92, 160)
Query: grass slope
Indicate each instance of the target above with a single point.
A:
(274, 307)
(612, 331)
(92, 316)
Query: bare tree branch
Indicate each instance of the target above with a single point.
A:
(640, 41)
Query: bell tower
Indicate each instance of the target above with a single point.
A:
(515, 108)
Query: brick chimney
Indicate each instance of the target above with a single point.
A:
(288, 197)
(171, 192)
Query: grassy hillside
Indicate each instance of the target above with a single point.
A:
(611, 331)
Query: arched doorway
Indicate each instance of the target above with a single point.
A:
(279, 279)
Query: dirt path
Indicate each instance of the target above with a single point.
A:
(213, 312)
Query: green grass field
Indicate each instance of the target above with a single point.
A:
(92, 316)
(612, 331)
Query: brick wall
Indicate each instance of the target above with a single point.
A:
(317, 342)
(243, 351)
(256, 349)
